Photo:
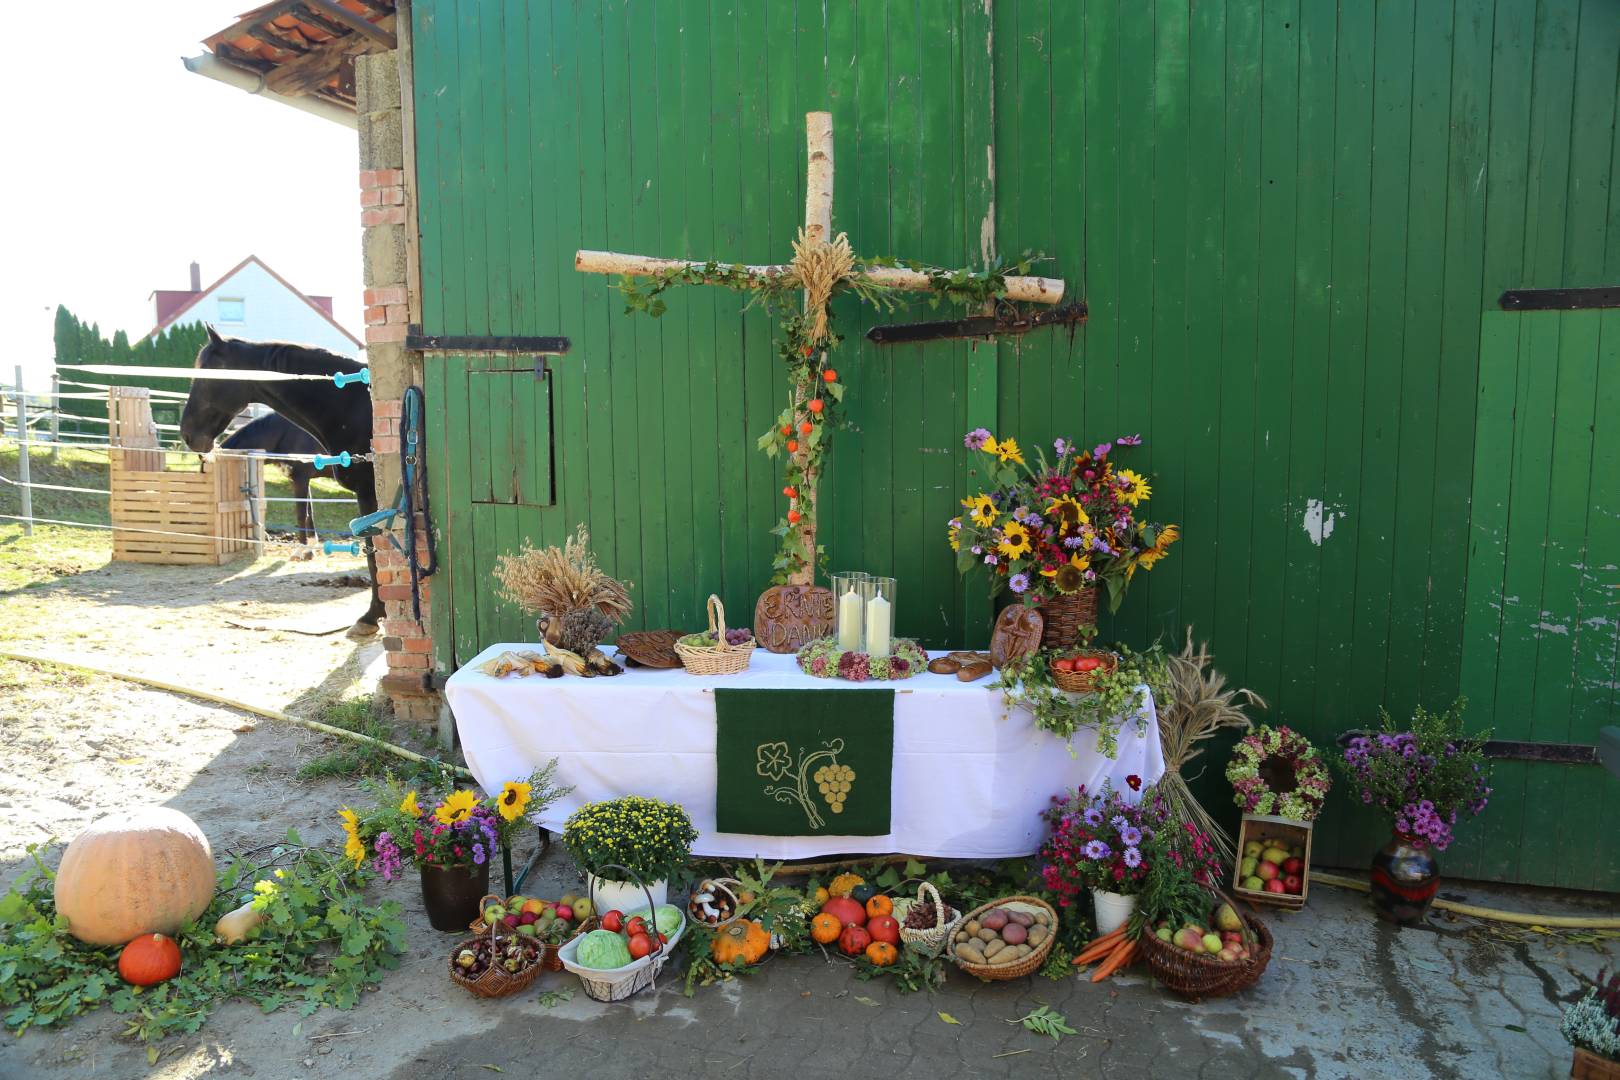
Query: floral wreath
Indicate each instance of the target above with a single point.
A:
(1279, 746)
(823, 659)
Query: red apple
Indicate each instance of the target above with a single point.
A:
(1294, 865)
(1275, 885)
(1267, 872)
(1293, 884)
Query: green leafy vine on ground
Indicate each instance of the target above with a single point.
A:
(1116, 695)
(810, 378)
(322, 943)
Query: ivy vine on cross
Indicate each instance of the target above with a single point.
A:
(823, 267)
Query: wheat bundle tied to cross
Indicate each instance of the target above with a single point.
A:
(818, 267)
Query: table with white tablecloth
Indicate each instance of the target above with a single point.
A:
(970, 778)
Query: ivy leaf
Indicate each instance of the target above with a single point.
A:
(913, 869)
(765, 441)
(888, 879)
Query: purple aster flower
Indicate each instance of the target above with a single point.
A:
(1133, 858)
(1072, 542)
(1018, 583)
(478, 854)
(1061, 446)
(975, 439)
(1097, 850)
(1130, 836)
(1093, 816)
(1128, 440)
(1118, 821)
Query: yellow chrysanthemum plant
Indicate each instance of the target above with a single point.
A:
(460, 827)
(1048, 528)
(651, 837)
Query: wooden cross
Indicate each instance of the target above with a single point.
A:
(817, 230)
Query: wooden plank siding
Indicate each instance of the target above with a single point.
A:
(1291, 220)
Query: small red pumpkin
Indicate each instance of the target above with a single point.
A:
(846, 911)
(884, 928)
(149, 960)
(853, 941)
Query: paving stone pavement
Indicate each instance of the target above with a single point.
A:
(1345, 996)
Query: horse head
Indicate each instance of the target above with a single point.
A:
(212, 402)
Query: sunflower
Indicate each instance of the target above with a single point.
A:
(1007, 450)
(1161, 546)
(991, 446)
(514, 798)
(981, 508)
(1014, 540)
(408, 805)
(1069, 578)
(457, 806)
(954, 534)
(1066, 510)
(1133, 486)
(353, 848)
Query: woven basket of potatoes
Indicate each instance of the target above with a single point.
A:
(1005, 939)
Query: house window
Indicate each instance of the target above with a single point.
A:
(232, 309)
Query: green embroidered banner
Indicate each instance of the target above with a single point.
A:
(804, 762)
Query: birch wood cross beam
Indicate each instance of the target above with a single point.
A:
(802, 436)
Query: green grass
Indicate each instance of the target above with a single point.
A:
(352, 759)
(56, 551)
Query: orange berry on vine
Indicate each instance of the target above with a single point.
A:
(791, 492)
(806, 428)
(830, 375)
(807, 350)
(787, 430)
(793, 446)
(816, 405)
(793, 517)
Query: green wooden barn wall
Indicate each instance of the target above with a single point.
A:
(1288, 219)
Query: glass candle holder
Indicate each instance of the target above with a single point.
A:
(879, 610)
(849, 610)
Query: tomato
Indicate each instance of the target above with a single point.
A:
(640, 945)
(1087, 663)
(1063, 663)
(635, 926)
(663, 939)
(613, 920)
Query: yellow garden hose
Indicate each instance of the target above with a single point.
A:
(1551, 922)
(220, 699)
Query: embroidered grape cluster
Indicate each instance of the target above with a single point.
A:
(834, 782)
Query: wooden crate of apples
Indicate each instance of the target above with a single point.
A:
(1274, 861)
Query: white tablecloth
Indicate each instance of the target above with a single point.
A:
(969, 780)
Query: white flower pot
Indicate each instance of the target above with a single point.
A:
(1112, 910)
(609, 895)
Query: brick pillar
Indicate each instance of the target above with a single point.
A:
(385, 216)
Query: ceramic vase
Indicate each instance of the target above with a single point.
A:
(451, 894)
(1405, 877)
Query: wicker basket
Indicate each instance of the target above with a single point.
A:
(548, 949)
(1029, 964)
(929, 941)
(1065, 614)
(620, 983)
(1083, 682)
(495, 981)
(1196, 975)
(717, 659)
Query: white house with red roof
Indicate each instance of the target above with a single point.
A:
(253, 302)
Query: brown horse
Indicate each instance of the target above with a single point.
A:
(339, 419)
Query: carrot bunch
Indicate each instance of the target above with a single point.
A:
(1111, 952)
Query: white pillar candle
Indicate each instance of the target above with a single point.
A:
(877, 626)
(849, 621)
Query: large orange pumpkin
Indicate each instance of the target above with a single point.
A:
(138, 872)
(825, 928)
(149, 960)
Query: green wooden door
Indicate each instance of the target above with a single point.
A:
(1287, 217)
(1543, 598)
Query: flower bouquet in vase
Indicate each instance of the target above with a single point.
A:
(1054, 532)
(1422, 778)
(651, 838)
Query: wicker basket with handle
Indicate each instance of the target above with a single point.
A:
(719, 658)
(1084, 682)
(1027, 965)
(620, 983)
(548, 949)
(1199, 975)
(929, 940)
(495, 981)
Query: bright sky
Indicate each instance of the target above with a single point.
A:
(125, 167)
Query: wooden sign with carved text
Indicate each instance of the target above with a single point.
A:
(787, 617)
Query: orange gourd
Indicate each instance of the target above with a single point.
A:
(882, 954)
(744, 940)
(149, 960)
(879, 905)
(825, 928)
(142, 871)
(819, 897)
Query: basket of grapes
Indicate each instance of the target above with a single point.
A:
(928, 921)
(716, 651)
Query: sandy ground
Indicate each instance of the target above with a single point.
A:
(1345, 996)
